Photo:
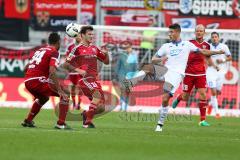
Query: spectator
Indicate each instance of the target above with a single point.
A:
(127, 65)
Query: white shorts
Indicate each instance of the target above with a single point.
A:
(215, 79)
(174, 78)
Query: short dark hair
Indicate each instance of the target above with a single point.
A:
(84, 29)
(175, 26)
(126, 44)
(53, 38)
(215, 33)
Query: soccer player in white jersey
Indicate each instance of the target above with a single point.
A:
(176, 55)
(217, 68)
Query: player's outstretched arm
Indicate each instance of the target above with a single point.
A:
(207, 52)
(70, 68)
(227, 59)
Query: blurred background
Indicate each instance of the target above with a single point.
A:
(25, 25)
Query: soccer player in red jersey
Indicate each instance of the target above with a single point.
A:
(196, 75)
(85, 57)
(41, 81)
(74, 77)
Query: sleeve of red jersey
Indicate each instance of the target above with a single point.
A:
(100, 55)
(54, 61)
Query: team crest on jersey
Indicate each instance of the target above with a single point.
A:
(21, 5)
(204, 47)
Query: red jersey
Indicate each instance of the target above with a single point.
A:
(85, 57)
(41, 61)
(196, 62)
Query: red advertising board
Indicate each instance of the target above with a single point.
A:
(145, 94)
(54, 15)
(63, 7)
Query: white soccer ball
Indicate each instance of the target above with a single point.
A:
(72, 30)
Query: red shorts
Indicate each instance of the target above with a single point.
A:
(89, 85)
(74, 78)
(190, 81)
(40, 88)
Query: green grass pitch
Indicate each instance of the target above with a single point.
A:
(118, 137)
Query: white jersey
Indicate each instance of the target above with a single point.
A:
(221, 46)
(177, 54)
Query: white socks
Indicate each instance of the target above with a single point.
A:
(214, 103)
(162, 115)
(138, 77)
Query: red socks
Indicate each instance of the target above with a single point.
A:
(90, 113)
(34, 110)
(73, 100)
(202, 107)
(63, 110)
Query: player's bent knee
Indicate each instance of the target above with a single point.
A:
(99, 100)
(167, 87)
(64, 101)
(148, 69)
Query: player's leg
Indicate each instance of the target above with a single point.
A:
(63, 110)
(42, 90)
(48, 90)
(219, 85)
(171, 84)
(188, 83)
(33, 87)
(74, 90)
(200, 84)
(213, 100)
(202, 106)
(96, 106)
(149, 69)
(93, 91)
(163, 111)
(36, 107)
(212, 84)
(124, 99)
(73, 87)
(139, 76)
